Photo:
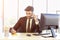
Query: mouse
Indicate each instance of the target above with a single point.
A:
(28, 35)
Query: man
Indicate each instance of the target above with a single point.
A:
(27, 24)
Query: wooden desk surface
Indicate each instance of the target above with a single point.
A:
(23, 36)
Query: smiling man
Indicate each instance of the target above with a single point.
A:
(27, 24)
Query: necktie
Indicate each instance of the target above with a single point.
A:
(28, 29)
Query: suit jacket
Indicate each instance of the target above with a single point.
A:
(20, 26)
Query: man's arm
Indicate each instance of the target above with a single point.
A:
(37, 23)
(16, 26)
(38, 27)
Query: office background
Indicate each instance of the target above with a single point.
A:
(12, 10)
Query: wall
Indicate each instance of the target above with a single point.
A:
(1, 15)
(12, 10)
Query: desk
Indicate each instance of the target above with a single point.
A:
(22, 36)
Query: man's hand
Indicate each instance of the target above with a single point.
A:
(35, 18)
(13, 31)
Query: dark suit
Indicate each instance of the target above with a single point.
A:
(20, 26)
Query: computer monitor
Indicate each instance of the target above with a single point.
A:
(49, 20)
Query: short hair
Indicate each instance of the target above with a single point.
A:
(29, 8)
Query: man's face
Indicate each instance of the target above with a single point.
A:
(29, 13)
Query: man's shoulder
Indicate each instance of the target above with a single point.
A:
(22, 18)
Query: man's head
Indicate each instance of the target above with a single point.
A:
(29, 11)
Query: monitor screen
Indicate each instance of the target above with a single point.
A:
(49, 19)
